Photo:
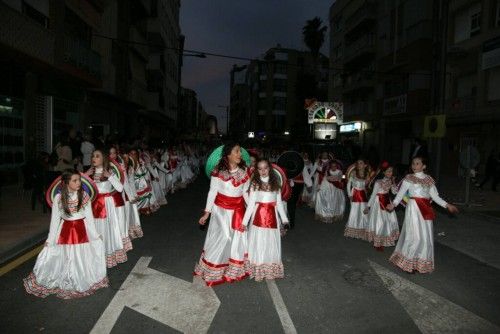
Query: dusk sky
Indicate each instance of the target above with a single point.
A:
(239, 28)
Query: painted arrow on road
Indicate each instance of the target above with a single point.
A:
(186, 307)
(431, 312)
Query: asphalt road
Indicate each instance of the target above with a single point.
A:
(332, 285)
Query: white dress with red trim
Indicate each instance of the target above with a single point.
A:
(357, 224)
(330, 199)
(317, 169)
(164, 175)
(225, 250)
(264, 215)
(154, 178)
(131, 209)
(175, 168)
(72, 264)
(383, 228)
(307, 174)
(186, 173)
(109, 213)
(143, 188)
(415, 248)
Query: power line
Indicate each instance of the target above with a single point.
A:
(220, 55)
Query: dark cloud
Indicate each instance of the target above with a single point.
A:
(240, 28)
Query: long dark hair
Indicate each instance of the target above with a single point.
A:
(105, 163)
(223, 164)
(65, 179)
(256, 182)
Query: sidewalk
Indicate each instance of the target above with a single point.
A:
(20, 227)
(483, 203)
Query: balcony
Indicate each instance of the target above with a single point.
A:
(358, 108)
(141, 45)
(395, 105)
(25, 35)
(363, 80)
(81, 58)
(137, 93)
(361, 46)
(366, 14)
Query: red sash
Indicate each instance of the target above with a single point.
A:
(233, 203)
(358, 196)
(338, 184)
(99, 205)
(265, 215)
(73, 232)
(384, 200)
(425, 207)
(143, 191)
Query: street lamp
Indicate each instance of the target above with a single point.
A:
(227, 118)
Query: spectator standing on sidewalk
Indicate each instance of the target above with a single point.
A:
(64, 155)
(87, 148)
(492, 171)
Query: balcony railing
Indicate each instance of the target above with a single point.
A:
(21, 33)
(365, 43)
(366, 12)
(77, 53)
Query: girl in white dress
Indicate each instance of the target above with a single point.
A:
(225, 251)
(142, 185)
(126, 194)
(266, 214)
(383, 228)
(319, 167)
(109, 209)
(308, 174)
(415, 248)
(357, 224)
(330, 198)
(72, 263)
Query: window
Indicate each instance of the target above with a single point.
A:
(280, 85)
(497, 17)
(280, 68)
(279, 122)
(337, 51)
(493, 84)
(475, 24)
(467, 23)
(279, 103)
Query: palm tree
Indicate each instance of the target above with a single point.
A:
(314, 35)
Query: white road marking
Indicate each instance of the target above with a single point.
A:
(431, 312)
(186, 307)
(286, 320)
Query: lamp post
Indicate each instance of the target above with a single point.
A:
(227, 118)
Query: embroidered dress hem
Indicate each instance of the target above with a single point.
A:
(236, 271)
(135, 232)
(127, 244)
(383, 240)
(423, 266)
(112, 260)
(266, 271)
(32, 287)
(325, 219)
(356, 233)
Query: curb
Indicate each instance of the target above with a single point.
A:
(23, 247)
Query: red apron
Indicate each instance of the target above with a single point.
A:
(99, 205)
(425, 207)
(265, 215)
(358, 196)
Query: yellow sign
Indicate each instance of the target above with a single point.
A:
(435, 126)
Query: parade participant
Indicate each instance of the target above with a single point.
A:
(224, 253)
(174, 169)
(307, 175)
(163, 173)
(108, 209)
(321, 165)
(131, 208)
(357, 224)
(186, 173)
(383, 229)
(157, 195)
(72, 262)
(330, 198)
(142, 185)
(265, 208)
(415, 248)
(126, 194)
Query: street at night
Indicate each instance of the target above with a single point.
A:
(216, 166)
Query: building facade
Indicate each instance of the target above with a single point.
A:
(102, 66)
(268, 95)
